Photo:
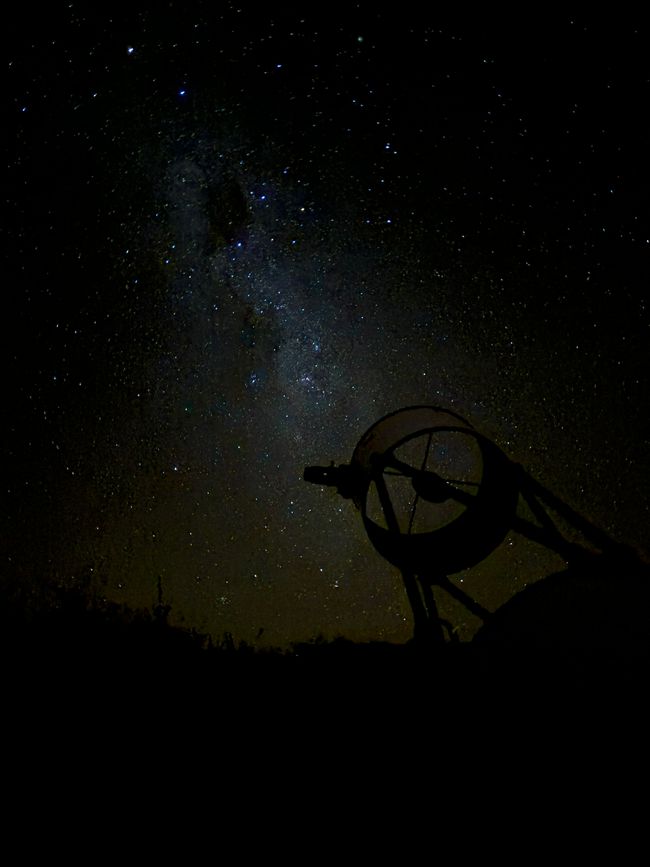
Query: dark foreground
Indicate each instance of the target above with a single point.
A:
(135, 712)
(88, 657)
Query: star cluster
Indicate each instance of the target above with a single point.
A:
(241, 237)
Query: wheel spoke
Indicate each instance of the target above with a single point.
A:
(422, 469)
(428, 483)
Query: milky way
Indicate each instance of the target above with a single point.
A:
(243, 239)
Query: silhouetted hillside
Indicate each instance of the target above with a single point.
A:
(107, 651)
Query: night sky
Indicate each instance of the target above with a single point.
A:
(238, 236)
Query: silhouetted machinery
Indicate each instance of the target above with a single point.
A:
(436, 497)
